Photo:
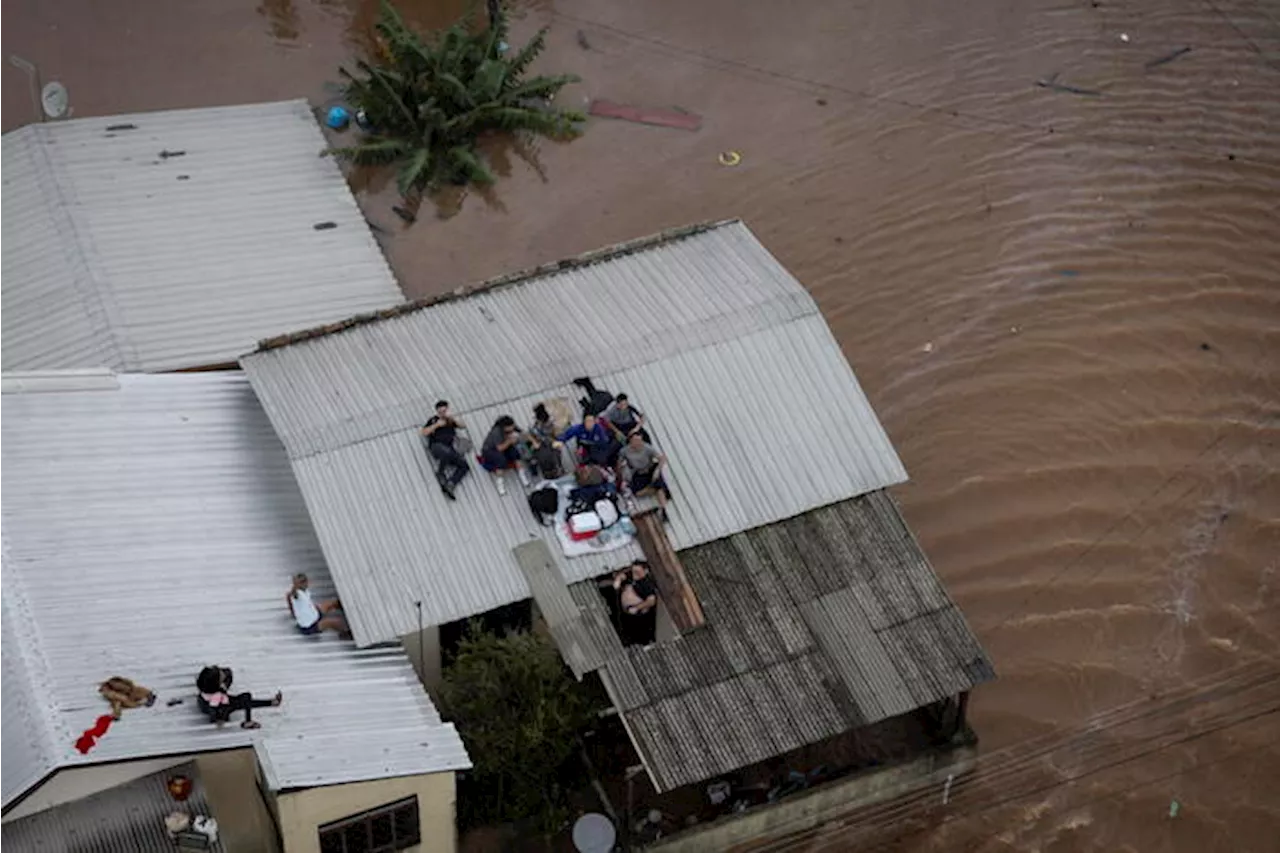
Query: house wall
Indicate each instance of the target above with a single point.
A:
(807, 810)
(75, 783)
(230, 781)
(423, 650)
(303, 812)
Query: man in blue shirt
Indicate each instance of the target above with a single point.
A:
(593, 439)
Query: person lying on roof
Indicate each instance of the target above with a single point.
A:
(314, 616)
(625, 419)
(641, 467)
(213, 682)
(595, 443)
(441, 432)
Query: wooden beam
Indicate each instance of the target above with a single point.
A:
(673, 587)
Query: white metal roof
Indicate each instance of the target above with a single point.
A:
(166, 240)
(742, 382)
(373, 753)
(151, 526)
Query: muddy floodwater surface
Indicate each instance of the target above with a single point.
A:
(1063, 300)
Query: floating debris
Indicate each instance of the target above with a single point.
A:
(1168, 57)
(1051, 83)
(729, 158)
(680, 120)
(325, 226)
(166, 154)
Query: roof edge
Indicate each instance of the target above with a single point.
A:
(36, 381)
(585, 259)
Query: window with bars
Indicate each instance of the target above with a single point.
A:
(382, 830)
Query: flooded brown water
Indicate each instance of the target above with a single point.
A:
(1065, 307)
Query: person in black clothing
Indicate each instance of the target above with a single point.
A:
(500, 448)
(214, 682)
(441, 432)
(638, 602)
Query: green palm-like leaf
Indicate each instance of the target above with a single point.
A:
(429, 100)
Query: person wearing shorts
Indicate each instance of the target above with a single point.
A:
(642, 467)
(312, 617)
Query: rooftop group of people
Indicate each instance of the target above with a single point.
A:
(611, 445)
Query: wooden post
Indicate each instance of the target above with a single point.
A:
(668, 571)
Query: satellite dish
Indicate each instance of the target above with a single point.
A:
(53, 98)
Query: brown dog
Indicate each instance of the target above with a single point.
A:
(123, 693)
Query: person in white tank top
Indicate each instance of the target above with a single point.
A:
(311, 616)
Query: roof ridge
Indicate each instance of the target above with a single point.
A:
(49, 727)
(95, 290)
(465, 291)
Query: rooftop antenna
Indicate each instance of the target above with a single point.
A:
(49, 100)
(53, 98)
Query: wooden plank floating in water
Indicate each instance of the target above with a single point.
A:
(645, 115)
(673, 586)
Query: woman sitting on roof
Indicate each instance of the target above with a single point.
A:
(213, 682)
(595, 444)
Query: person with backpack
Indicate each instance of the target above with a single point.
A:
(441, 433)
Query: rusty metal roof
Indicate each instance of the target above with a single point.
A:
(816, 625)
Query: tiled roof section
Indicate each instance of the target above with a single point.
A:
(177, 239)
(128, 818)
(743, 385)
(816, 625)
(151, 530)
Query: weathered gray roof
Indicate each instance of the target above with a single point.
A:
(128, 818)
(176, 239)
(743, 384)
(816, 625)
(151, 526)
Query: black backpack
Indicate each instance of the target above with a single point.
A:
(543, 503)
(596, 400)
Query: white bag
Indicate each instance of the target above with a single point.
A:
(607, 510)
(584, 523)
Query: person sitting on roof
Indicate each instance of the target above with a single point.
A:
(312, 616)
(213, 682)
(595, 445)
(543, 448)
(638, 600)
(641, 468)
(501, 451)
(441, 432)
(625, 419)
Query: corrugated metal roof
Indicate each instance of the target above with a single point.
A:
(571, 626)
(151, 530)
(816, 625)
(165, 240)
(380, 750)
(742, 382)
(128, 818)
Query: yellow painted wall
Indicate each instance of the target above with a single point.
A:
(303, 812)
(230, 785)
(423, 650)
